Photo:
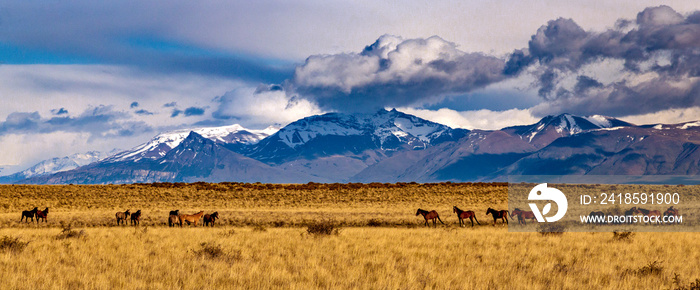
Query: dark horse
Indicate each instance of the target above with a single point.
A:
(174, 218)
(429, 215)
(210, 218)
(498, 214)
(136, 218)
(29, 214)
(461, 215)
(671, 212)
(596, 217)
(522, 215)
(42, 214)
(122, 216)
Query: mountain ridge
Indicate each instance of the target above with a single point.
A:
(391, 146)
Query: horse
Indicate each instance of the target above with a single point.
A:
(648, 213)
(522, 215)
(29, 214)
(596, 217)
(461, 215)
(42, 214)
(136, 218)
(429, 215)
(498, 214)
(631, 211)
(122, 216)
(174, 220)
(175, 212)
(671, 212)
(210, 218)
(191, 218)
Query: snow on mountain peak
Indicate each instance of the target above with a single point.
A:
(382, 124)
(164, 142)
(600, 121)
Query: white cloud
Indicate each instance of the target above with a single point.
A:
(671, 116)
(478, 119)
(255, 109)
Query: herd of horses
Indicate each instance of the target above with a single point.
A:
(175, 218)
(35, 213)
(522, 215)
(462, 215)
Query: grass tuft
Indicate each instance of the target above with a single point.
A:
(68, 232)
(622, 236)
(12, 245)
(216, 252)
(323, 228)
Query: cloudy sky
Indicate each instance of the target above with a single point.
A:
(99, 75)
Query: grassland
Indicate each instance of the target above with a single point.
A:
(262, 242)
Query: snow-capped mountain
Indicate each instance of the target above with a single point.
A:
(164, 142)
(337, 133)
(58, 164)
(391, 146)
(552, 127)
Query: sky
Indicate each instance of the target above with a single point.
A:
(99, 75)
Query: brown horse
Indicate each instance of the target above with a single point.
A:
(210, 218)
(522, 215)
(174, 220)
(648, 213)
(461, 215)
(29, 214)
(429, 215)
(122, 216)
(42, 214)
(498, 214)
(136, 218)
(191, 218)
(671, 212)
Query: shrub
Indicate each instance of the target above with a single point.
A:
(653, 268)
(259, 228)
(374, 223)
(551, 229)
(622, 236)
(323, 228)
(214, 251)
(10, 244)
(67, 232)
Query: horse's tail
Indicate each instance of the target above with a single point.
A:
(438, 217)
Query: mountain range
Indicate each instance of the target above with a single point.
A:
(391, 146)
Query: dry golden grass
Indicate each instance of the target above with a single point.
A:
(227, 257)
(262, 241)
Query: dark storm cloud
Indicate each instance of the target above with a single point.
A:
(194, 111)
(143, 112)
(99, 121)
(393, 72)
(660, 44)
(138, 34)
(61, 111)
